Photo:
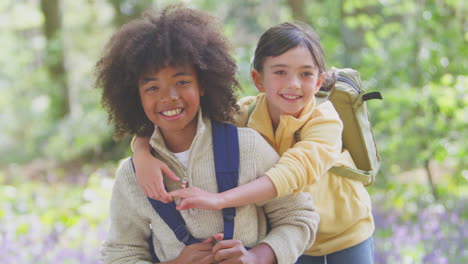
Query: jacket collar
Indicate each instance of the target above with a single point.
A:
(260, 120)
(203, 125)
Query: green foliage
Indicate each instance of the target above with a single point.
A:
(414, 52)
(424, 124)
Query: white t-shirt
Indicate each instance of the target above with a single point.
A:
(183, 157)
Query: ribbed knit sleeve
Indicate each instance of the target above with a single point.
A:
(293, 222)
(293, 219)
(316, 152)
(127, 241)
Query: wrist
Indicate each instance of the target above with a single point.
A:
(141, 145)
(224, 200)
(263, 254)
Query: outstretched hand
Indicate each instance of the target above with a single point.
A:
(193, 197)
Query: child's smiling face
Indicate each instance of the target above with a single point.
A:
(289, 80)
(171, 98)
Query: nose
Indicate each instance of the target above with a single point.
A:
(171, 94)
(294, 83)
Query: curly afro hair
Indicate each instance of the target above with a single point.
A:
(176, 36)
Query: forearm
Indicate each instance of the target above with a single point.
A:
(253, 192)
(263, 254)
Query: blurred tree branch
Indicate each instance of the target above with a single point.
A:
(298, 10)
(55, 59)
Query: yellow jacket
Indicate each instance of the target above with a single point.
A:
(344, 205)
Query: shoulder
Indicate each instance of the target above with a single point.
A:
(126, 172)
(324, 121)
(324, 113)
(256, 148)
(326, 109)
(250, 137)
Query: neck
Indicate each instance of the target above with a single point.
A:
(180, 140)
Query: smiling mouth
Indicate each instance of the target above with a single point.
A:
(291, 97)
(172, 112)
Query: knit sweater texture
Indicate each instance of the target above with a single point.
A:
(292, 218)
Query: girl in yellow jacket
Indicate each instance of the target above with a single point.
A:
(288, 69)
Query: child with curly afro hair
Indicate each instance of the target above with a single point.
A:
(168, 77)
(177, 37)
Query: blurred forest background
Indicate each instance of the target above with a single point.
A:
(59, 158)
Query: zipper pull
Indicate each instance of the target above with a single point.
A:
(184, 184)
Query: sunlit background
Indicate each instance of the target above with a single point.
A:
(59, 158)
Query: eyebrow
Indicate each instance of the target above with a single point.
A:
(284, 65)
(149, 79)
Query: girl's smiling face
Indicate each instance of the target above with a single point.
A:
(289, 80)
(171, 99)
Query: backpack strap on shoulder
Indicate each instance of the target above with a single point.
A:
(173, 218)
(226, 153)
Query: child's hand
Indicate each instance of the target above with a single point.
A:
(232, 251)
(149, 172)
(194, 197)
(200, 253)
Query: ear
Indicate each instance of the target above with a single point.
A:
(320, 80)
(258, 81)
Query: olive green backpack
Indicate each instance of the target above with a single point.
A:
(349, 99)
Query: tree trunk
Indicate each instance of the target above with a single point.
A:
(298, 10)
(55, 59)
(349, 39)
(430, 179)
(415, 68)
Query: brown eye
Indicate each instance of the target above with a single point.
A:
(150, 89)
(281, 72)
(182, 82)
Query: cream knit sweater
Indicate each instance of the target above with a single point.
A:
(292, 218)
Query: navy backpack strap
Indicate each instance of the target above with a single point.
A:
(173, 218)
(226, 153)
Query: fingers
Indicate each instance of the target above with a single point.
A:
(228, 250)
(165, 169)
(206, 245)
(207, 260)
(183, 193)
(160, 192)
(186, 204)
(227, 244)
(219, 236)
(209, 240)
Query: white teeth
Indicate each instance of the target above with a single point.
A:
(291, 96)
(172, 112)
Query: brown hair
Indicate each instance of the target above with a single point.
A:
(283, 37)
(176, 36)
